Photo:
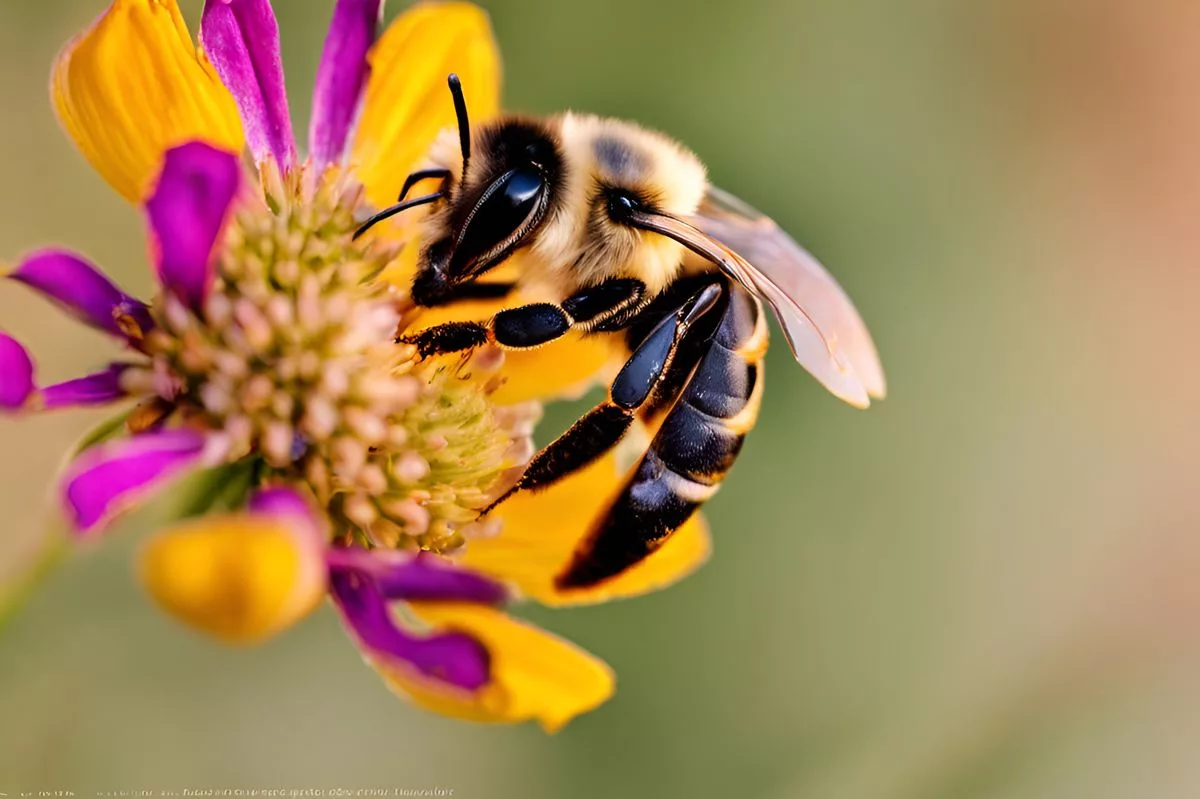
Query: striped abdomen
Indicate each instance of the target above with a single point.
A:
(697, 443)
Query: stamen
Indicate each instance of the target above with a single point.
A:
(292, 362)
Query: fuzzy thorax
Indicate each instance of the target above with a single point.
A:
(603, 154)
(293, 360)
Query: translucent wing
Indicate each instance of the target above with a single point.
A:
(825, 332)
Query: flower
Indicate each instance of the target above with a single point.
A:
(315, 456)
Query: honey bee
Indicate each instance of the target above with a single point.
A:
(623, 227)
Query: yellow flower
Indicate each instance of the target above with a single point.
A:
(340, 426)
(132, 87)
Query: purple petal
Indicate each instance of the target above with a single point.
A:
(93, 390)
(241, 38)
(16, 374)
(399, 575)
(454, 658)
(187, 213)
(82, 290)
(111, 478)
(281, 501)
(342, 77)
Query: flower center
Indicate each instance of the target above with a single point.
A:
(293, 359)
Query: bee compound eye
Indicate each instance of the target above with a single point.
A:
(501, 212)
(518, 196)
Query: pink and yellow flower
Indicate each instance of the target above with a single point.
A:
(318, 457)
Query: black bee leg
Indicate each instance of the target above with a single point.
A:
(602, 427)
(530, 326)
(695, 446)
(418, 176)
(447, 338)
(523, 327)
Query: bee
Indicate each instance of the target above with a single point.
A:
(620, 224)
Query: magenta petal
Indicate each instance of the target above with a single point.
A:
(400, 575)
(96, 389)
(454, 658)
(281, 501)
(341, 78)
(111, 478)
(241, 38)
(82, 290)
(16, 374)
(187, 213)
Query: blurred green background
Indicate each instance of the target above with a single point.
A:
(985, 586)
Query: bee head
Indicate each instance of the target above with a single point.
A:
(501, 201)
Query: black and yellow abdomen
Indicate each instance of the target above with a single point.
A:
(710, 405)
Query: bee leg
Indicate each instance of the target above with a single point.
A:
(602, 427)
(530, 326)
(688, 458)
(447, 338)
(523, 327)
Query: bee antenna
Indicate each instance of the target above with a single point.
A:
(464, 122)
(388, 213)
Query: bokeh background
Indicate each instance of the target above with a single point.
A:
(986, 586)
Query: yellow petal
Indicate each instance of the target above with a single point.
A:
(564, 368)
(542, 529)
(534, 675)
(407, 103)
(240, 578)
(132, 87)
